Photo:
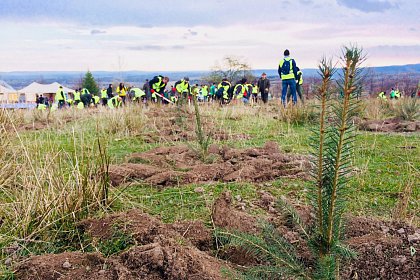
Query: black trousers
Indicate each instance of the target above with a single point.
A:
(264, 96)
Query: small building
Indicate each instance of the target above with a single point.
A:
(28, 94)
(7, 93)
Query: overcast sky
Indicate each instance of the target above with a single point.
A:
(192, 34)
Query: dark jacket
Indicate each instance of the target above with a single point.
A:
(109, 92)
(156, 80)
(263, 84)
(146, 87)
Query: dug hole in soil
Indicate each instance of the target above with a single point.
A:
(171, 166)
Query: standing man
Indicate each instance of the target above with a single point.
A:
(146, 89)
(288, 73)
(109, 91)
(59, 96)
(104, 97)
(264, 87)
(213, 90)
(76, 96)
(158, 85)
(223, 91)
(182, 87)
(299, 83)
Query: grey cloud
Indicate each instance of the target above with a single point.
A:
(410, 50)
(367, 6)
(97, 31)
(306, 2)
(192, 33)
(155, 48)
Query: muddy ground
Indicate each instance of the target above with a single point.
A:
(171, 166)
(187, 250)
(389, 125)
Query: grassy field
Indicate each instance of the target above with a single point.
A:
(54, 184)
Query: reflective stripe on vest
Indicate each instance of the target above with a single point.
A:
(291, 75)
(300, 82)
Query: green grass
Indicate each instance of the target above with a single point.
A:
(181, 203)
(382, 166)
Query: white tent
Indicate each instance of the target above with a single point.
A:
(35, 88)
(5, 91)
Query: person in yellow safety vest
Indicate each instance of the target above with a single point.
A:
(42, 107)
(158, 85)
(299, 83)
(138, 94)
(76, 96)
(223, 90)
(183, 87)
(95, 100)
(86, 97)
(183, 90)
(104, 96)
(59, 97)
(114, 102)
(205, 92)
(255, 93)
(240, 91)
(288, 73)
(122, 92)
(249, 89)
(382, 95)
(397, 94)
(80, 105)
(173, 98)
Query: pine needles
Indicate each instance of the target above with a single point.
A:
(333, 148)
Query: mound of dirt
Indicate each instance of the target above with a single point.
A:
(386, 250)
(146, 229)
(70, 266)
(390, 125)
(169, 166)
(161, 252)
(226, 216)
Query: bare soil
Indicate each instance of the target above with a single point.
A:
(390, 125)
(170, 166)
(385, 249)
(183, 250)
(161, 252)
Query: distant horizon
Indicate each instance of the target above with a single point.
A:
(179, 71)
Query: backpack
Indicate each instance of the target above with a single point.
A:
(219, 92)
(285, 68)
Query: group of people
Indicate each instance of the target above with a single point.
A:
(156, 89)
(394, 94)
